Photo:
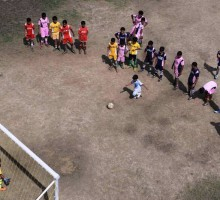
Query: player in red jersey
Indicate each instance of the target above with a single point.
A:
(29, 32)
(83, 36)
(66, 33)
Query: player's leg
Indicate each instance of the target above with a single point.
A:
(80, 47)
(207, 98)
(130, 60)
(64, 43)
(46, 31)
(135, 62)
(84, 47)
(122, 60)
(155, 73)
(2, 188)
(32, 44)
(161, 74)
(217, 71)
(70, 40)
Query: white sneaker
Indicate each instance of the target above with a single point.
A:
(216, 76)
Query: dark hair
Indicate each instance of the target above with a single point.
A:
(194, 64)
(43, 15)
(150, 42)
(140, 12)
(64, 21)
(143, 19)
(28, 19)
(122, 29)
(135, 77)
(179, 53)
(201, 90)
(83, 23)
(54, 18)
(134, 39)
(112, 39)
(162, 48)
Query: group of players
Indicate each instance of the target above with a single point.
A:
(59, 34)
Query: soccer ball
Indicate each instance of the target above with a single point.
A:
(110, 106)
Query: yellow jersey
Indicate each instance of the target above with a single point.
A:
(55, 28)
(113, 48)
(133, 47)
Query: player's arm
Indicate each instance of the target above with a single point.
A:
(182, 66)
(39, 27)
(155, 61)
(72, 31)
(108, 49)
(197, 78)
(128, 84)
(60, 36)
(25, 33)
(218, 56)
(173, 64)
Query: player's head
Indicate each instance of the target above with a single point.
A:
(150, 43)
(54, 18)
(43, 15)
(28, 20)
(179, 54)
(83, 23)
(135, 77)
(140, 13)
(112, 40)
(134, 39)
(194, 65)
(219, 52)
(143, 20)
(162, 49)
(122, 29)
(64, 22)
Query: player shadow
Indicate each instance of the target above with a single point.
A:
(217, 126)
(106, 60)
(76, 43)
(25, 42)
(210, 69)
(170, 78)
(25, 171)
(129, 91)
(213, 105)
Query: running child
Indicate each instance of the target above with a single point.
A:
(160, 59)
(55, 31)
(112, 53)
(193, 79)
(134, 46)
(150, 54)
(178, 65)
(83, 36)
(137, 87)
(43, 28)
(209, 89)
(122, 36)
(66, 35)
(138, 31)
(122, 51)
(218, 65)
(29, 32)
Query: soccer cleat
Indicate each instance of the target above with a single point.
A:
(217, 111)
(216, 76)
(189, 98)
(205, 104)
(64, 52)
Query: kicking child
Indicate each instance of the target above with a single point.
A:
(133, 47)
(218, 65)
(29, 33)
(178, 65)
(55, 31)
(83, 36)
(43, 28)
(160, 59)
(137, 87)
(122, 51)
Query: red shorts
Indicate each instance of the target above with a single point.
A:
(30, 37)
(83, 38)
(68, 40)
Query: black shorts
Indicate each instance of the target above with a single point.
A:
(148, 61)
(159, 67)
(190, 84)
(132, 57)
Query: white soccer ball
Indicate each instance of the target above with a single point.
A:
(110, 106)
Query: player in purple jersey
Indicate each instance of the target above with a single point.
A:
(218, 65)
(43, 27)
(160, 59)
(122, 36)
(193, 79)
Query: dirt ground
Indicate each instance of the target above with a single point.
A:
(160, 147)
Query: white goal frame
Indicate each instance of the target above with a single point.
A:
(55, 175)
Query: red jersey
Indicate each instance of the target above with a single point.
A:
(29, 29)
(83, 34)
(66, 31)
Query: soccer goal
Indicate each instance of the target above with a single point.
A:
(31, 178)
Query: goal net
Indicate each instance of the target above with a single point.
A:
(31, 178)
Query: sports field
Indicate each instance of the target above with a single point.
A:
(159, 147)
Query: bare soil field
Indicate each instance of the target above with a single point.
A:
(159, 147)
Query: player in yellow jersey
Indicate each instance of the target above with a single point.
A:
(112, 53)
(133, 47)
(54, 32)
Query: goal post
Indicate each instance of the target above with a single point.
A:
(20, 163)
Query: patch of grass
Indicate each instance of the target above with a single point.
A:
(205, 189)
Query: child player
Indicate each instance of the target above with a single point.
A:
(66, 33)
(2, 188)
(193, 79)
(55, 31)
(133, 47)
(122, 50)
(150, 50)
(138, 31)
(178, 65)
(43, 27)
(218, 65)
(29, 32)
(112, 53)
(160, 59)
(122, 36)
(137, 87)
(83, 37)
